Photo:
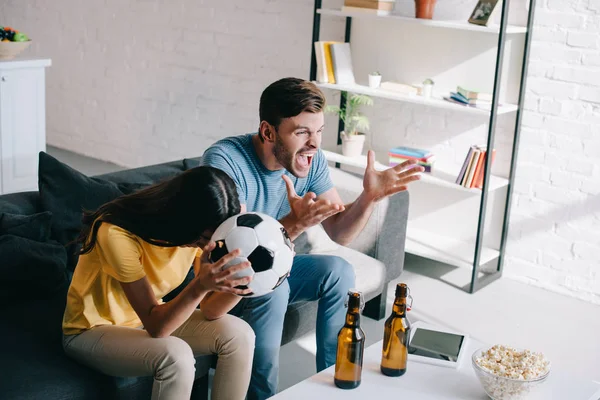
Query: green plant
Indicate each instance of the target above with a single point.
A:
(354, 120)
(376, 73)
(428, 81)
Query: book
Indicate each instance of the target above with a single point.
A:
(479, 183)
(321, 63)
(410, 151)
(471, 170)
(482, 106)
(366, 10)
(461, 174)
(342, 63)
(473, 102)
(399, 87)
(427, 159)
(370, 4)
(473, 94)
(393, 161)
(478, 168)
(329, 62)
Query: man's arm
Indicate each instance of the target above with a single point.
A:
(377, 185)
(343, 227)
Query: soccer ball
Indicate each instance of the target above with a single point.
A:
(264, 242)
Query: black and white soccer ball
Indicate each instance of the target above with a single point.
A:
(264, 242)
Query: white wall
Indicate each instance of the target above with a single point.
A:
(144, 81)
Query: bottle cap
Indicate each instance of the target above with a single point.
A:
(355, 296)
(402, 290)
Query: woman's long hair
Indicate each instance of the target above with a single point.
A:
(172, 213)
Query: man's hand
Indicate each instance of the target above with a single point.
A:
(380, 184)
(305, 211)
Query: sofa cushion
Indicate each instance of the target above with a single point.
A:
(67, 193)
(35, 227)
(189, 163)
(369, 272)
(24, 203)
(29, 268)
(145, 175)
(314, 240)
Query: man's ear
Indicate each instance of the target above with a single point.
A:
(267, 131)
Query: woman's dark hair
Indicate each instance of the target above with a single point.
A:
(172, 213)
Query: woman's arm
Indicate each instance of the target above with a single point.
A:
(160, 320)
(214, 305)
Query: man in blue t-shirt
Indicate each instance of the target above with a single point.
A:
(280, 171)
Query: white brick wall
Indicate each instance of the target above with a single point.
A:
(144, 81)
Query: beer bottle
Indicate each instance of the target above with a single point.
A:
(351, 344)
(395, 337)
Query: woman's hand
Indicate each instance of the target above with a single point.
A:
(212, 277)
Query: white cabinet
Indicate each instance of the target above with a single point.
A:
(22, 123)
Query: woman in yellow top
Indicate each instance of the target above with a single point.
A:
(136, 249)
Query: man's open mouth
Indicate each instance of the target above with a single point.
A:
(305, 159)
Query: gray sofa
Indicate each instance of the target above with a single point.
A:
(36, 230)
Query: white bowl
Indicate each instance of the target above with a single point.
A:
(9, 50)
(501, 388)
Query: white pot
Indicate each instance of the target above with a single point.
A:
(427, 90)
(352, 145)
(374, 81)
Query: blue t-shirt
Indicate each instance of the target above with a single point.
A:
(258, 188)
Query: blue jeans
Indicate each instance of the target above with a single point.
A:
(313, 277)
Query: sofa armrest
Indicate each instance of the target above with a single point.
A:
(384, 235)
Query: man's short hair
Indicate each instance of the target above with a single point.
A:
(289, 97)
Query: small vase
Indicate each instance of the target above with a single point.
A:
(352, 145)
(424, 8)
(374, 81)
(427, 91)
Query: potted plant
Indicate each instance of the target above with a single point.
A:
(424, 8)
(374, 79)
(427, 87)
(355, 123)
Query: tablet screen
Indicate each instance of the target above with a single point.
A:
(436, 344)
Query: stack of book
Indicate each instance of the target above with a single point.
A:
(334, 63)
(398, 155)
(378, 7)
(471, 173)
(470, 98)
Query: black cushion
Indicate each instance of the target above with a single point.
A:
(30, 269)
(67, 192)
(35, 227)
(189, 163)
(24, 203)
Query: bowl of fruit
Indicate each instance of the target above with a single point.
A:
(12, 42)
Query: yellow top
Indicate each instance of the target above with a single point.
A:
(96, 297)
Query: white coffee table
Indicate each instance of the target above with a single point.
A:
(425, 381)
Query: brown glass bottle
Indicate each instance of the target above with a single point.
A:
(395, 336)
(351, 345)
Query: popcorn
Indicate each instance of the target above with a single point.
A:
(513, 373)
(508, 362)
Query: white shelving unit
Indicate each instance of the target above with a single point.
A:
(436, 101)
(447, 222)
(462, 25)
(438, 177)
(445, 249)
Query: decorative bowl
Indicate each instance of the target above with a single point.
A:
(9, 50)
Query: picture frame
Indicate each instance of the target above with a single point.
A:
(483, 11)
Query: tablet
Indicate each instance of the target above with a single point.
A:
(434, 345)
